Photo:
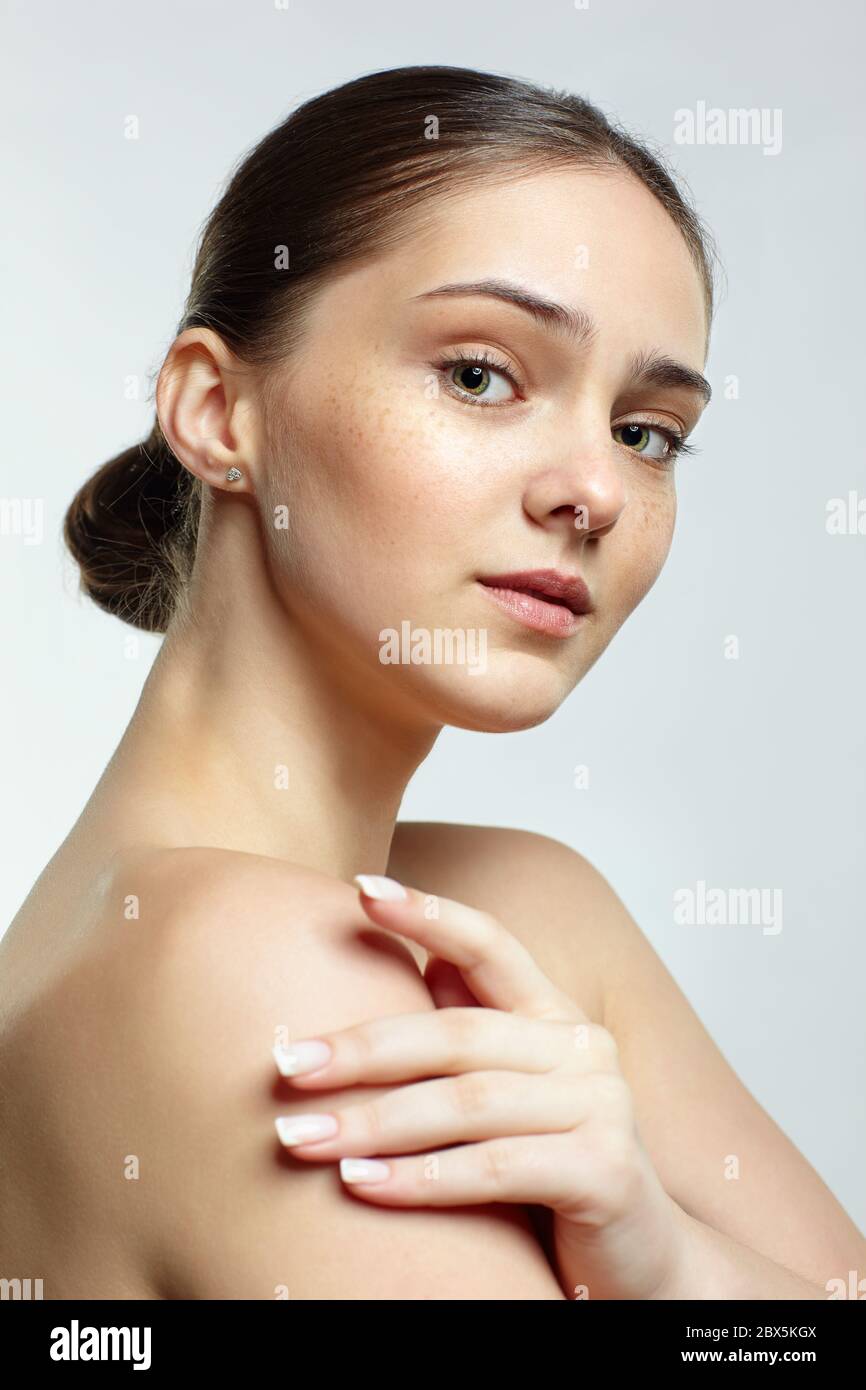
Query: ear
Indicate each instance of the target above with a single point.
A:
(201, 408)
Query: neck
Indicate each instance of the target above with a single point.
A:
(251, 736)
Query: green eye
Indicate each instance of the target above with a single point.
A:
(472, 378)
(477, 376)
(637, 438)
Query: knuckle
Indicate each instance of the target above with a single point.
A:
(611, 1093)
(579, 1038)
(489, 928)
(604, 1043)
(594, 1041)
(471, 1093)
(369, 1124)
(498, 1163)
(618, 1150)
(548, 1009)
(618, 1168)
(365, 1040)
(460, 1027)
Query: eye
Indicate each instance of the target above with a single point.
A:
(477, 377)
(638, 435)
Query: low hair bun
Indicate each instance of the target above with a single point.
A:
(131, 529)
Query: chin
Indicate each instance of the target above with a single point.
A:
(511, 695)
(501, 721)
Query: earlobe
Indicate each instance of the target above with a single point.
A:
(219, 474)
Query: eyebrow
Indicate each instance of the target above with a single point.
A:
(646, 369)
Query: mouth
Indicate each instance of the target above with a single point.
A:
(545, 600)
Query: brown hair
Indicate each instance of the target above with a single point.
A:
(330, 186)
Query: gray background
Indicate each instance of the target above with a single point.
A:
(744, 773)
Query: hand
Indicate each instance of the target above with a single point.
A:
(525, 1086)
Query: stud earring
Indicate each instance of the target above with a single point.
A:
(233, 475)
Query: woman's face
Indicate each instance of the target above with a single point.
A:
(407, 481)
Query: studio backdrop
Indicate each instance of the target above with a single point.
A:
(711, 765)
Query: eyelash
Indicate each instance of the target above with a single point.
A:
(678, 447)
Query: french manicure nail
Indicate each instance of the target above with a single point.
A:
(299, 1057)
(303, 1129)
(363, 1170)
(381, 888)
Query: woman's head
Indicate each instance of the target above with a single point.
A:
(398, 435)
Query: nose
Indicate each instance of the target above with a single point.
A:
(586, 493)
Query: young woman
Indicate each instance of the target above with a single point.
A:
(444, 341)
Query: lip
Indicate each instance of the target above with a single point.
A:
(545, 600)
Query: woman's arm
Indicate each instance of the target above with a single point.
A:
(220, 961)
(714, 1266)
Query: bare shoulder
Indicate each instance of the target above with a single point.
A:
(546, 893)
(187, 897)
(230, 953)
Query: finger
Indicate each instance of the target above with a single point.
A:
(552, 1170)
(450, 1110)
(446, 985)
(496, 967)
(443, 1042)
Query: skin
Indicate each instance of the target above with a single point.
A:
(520, 1070)
(398, 498)
(528, 1103)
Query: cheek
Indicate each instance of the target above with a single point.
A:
(647, 539)
(388, 465)
(371, 499)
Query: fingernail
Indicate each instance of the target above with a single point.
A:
(300, 1057)
(384, 889)
(303, 1129)
(363, 1170)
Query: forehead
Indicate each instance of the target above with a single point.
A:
(598, 240)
